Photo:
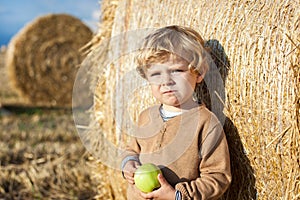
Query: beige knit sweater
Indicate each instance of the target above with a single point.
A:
(191, 150)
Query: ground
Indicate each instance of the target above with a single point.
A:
(41, 154)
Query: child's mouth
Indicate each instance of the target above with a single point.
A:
(169, 92)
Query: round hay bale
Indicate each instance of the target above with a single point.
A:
(43, 59)
(98, 49)
(261, 42)
(8, 95)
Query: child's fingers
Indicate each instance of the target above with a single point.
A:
(129, 170)
(130, 180)
(137, 164)
(147, 195)
(162, 179)
(129, 176)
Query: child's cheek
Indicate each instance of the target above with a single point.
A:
(155, 91)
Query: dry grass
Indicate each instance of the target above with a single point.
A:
(43, 59)
(261, 41)
(41, 155)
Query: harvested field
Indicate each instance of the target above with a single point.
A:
(41, 155)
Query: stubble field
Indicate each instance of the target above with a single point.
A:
(41, 155)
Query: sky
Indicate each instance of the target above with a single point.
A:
(15, 14)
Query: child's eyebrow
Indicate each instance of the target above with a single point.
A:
(152, 71)
(179, 65)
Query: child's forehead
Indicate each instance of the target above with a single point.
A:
(167, 64)
(171, 61)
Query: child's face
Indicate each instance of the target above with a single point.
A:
(173, 84)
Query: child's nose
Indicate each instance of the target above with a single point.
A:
(167, 80)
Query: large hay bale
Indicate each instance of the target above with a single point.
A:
(44, 56)
(98, 48)
(261, 41)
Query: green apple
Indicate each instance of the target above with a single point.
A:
(145, 177)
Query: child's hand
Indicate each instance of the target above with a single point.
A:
(165, 192)
(129, 170)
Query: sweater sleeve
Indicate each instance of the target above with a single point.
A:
(132, 147)
(214, 169)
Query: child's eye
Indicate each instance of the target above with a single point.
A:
(155, 74)
(177, 71)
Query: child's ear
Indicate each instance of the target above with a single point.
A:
(200, 78)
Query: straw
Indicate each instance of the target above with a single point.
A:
(43, 58)
(260, 39)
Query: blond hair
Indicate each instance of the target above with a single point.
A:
(173, 42)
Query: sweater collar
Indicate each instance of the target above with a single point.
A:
(155, 115)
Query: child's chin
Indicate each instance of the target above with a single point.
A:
(174, 106)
